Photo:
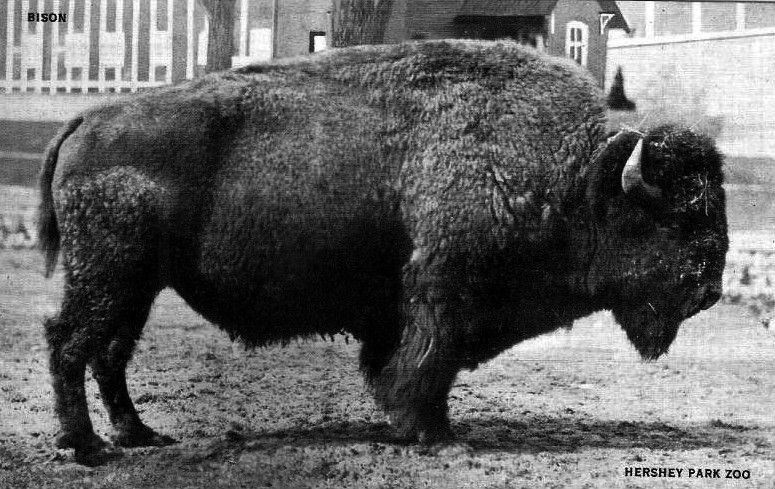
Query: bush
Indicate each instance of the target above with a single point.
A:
(617, 100)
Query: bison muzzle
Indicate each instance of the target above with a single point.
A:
(439, 201)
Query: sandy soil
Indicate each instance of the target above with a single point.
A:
(572, 409)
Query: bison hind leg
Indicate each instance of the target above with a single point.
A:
(110, 246)
(109, 370)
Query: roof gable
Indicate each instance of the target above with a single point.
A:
(618, 22)
(506, 8)
(531, 8)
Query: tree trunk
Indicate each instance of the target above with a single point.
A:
(220, 37)
(360, 22)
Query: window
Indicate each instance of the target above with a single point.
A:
(317, 41)
(110, 16)
(260, 47)
(79, 14)
(17, 66)
(32, 6)
(604, 20)
(577, 42)
(201, 50)
(161, 16)
(160, 73)
(61, 68)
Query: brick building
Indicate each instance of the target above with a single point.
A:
(574, 28)
(127, 45)
(302, 26)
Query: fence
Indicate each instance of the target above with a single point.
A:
(78, 57)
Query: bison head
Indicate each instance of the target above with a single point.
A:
(660, 231)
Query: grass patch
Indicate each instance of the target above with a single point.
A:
(26, 136)
(19, 171)
(741, 170)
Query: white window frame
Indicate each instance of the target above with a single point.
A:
(317, 41)
(573, 47)
(605, 18)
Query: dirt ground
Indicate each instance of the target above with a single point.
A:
(573, 409)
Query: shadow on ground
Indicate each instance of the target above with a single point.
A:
(498, 434)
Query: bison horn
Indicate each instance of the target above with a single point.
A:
(632, 177)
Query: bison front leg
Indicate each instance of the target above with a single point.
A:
(414, 384)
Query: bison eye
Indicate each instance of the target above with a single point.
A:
(670, 228)
(638, 223)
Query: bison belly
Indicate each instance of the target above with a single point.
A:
(293, 258)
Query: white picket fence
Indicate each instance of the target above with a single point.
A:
(69, 63)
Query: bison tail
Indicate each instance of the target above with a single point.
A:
(48, 229)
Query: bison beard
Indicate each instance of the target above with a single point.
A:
(650, 331)
(439, 201)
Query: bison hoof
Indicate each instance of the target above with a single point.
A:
(144, 437)
(84, 442)
(98, 457)
(90, 449)
(428, 428)
(437, 435)
(425, 436)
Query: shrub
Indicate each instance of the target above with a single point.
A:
(617, 100)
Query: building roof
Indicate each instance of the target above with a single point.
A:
(618, 22)
(506, 8)
(531, 8)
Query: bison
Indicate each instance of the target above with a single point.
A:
(438, 201)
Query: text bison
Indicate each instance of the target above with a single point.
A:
(438, 201)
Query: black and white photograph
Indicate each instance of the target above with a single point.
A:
(387, 244)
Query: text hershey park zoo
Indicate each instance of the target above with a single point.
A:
(689, 473)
